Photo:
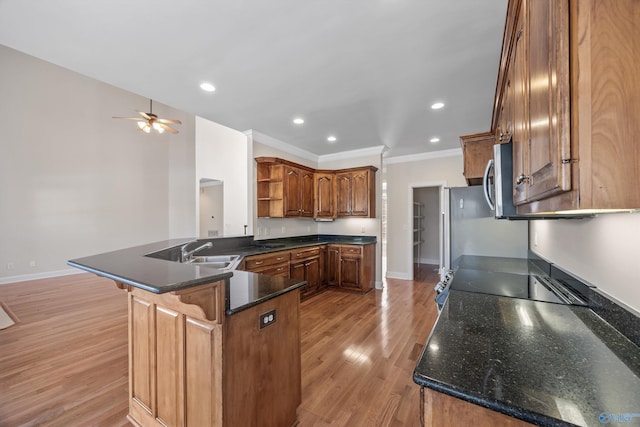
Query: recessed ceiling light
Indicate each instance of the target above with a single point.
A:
(434, 140)
(298, 120)
(207, 87)
(437, 106)
(332, 138)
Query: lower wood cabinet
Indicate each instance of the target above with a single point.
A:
(351, 267)
(305, 265)
(441, 410)
(191, 365)
(347, 267)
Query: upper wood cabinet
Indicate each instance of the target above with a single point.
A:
(325, 195)
(298, 192)
(356, 192)
(286, 189)
(568, 96)
(477, 150)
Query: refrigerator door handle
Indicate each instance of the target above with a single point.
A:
(486, 184)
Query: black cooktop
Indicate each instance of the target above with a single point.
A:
(525, 286)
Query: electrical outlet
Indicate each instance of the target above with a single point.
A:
(284, 229)
(267, 231)
(363, 230)
(535, 238)
(267, 318)
(32, 263)
(10, 266)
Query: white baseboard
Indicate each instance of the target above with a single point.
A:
(397, 275)
(37, 276)
(429, 261)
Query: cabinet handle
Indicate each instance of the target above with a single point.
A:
(522, 179)
(280, 269)
(259, 262)
(279, 258)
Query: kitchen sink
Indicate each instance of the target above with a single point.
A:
(223, 262)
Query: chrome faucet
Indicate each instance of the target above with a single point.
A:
(186, 255)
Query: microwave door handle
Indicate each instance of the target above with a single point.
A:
(486, 185)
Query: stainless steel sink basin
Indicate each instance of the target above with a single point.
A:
(222, 262)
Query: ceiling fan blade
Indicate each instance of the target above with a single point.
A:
(170, 121)
(167, 128)
(145, 115)
(128, 118)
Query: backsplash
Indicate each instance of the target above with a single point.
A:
(603, 251)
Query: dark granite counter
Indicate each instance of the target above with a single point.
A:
(154, 267)
(131, 266)
(545, 363)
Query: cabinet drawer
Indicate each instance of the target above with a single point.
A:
(351, 250)
(259, 261)
(274, 270)
(305, 253)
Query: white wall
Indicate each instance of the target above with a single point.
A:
(604, 251)
(222, 154)
(74, 181)
(402, 176)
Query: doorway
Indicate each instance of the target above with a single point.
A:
(426, 229)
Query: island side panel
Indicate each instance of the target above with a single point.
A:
(175, 357)
(262, 379)
(442, 410)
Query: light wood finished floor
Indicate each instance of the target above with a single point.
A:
(65, 362)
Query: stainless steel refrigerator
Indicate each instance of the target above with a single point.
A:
(471, 229)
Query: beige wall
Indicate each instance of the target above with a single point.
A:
(74, 181)
(401, 179)
(604, 251)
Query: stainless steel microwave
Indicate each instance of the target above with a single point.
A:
(498, 183)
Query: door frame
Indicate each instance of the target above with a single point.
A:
(427, 184)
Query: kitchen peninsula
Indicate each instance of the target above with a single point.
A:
(207, 347)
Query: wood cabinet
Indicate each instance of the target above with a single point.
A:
(568, 98)
(305, 265)
(442, 410)
(477, 150)
(287, 189)
(191, 365)
(325, 195)
(273, 264)
(298, 192)
(351, 267)
(356, 193)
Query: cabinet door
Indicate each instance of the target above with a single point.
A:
(518, 106)
(350, 272)
(343, 189)
(333, 265)
(312, 274)
(297, 272)
(292, 189)
(548, 61)
(306, 193)
(360, 193)
(325, 196)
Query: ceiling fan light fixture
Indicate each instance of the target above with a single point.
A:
(158, 128)
(207, 87)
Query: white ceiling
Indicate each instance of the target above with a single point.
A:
(366, 71)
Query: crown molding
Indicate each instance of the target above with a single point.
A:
(351, 154)
(423, 156)
(280, 145)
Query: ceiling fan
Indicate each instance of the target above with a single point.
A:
(150, 121)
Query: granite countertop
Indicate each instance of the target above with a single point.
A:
(545, 363)
(154, 267)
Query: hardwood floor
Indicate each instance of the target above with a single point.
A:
(65, 362)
